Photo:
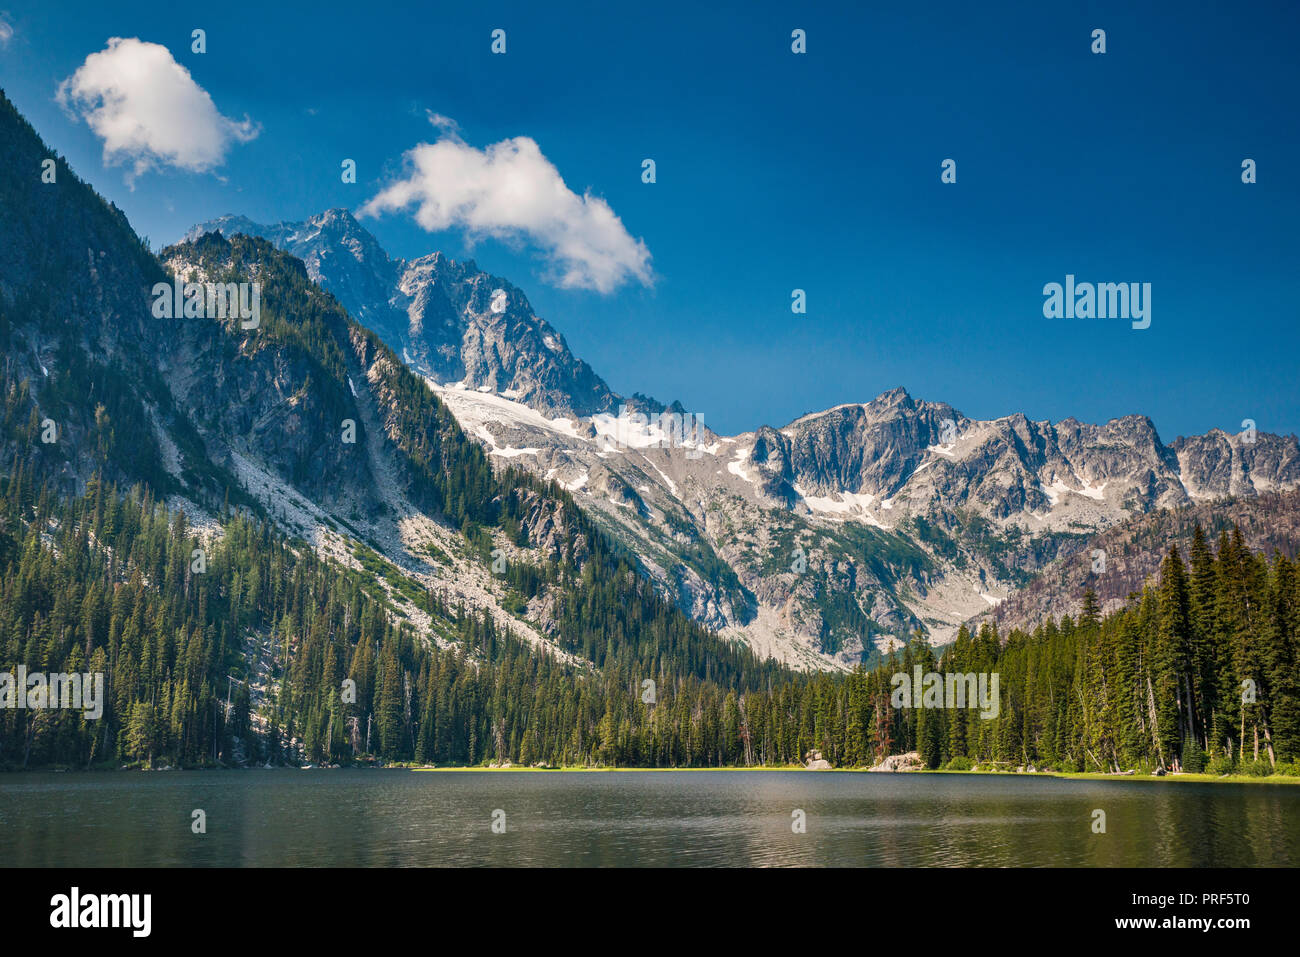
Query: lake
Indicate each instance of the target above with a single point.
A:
(387, 818)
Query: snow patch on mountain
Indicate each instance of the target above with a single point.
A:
(474, 409)
(847, 504)
(736, 466)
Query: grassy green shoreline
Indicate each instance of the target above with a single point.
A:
(1081, 776)
(583, 769)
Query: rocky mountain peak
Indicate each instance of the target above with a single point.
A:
(448, 319)
(896, 397)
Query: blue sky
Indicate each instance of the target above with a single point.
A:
(778, 171)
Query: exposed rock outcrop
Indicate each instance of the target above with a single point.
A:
(911, 761)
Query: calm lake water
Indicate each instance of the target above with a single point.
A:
(386, 818)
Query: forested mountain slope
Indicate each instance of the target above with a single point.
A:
(301, 422)
(1126, 557)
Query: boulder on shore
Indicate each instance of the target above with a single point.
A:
(814, 761)
(911, 761)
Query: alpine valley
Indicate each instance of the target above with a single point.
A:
(400, 482)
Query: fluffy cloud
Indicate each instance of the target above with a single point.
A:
(6, 32)
(149, 111)
(511, 191)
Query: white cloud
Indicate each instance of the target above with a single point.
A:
(149, 111)
(510, 191)
(6, 32)
(444, 123)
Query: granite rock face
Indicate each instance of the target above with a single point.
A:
(448, 320)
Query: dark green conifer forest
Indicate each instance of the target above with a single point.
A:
(244, 662)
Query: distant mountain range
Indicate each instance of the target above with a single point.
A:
(817, 542)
